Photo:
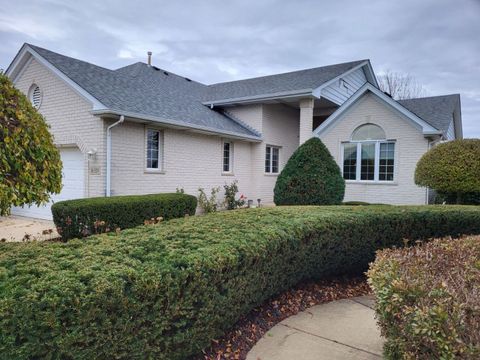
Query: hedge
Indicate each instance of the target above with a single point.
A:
(164, 291)
(84, 217)
(428, 299)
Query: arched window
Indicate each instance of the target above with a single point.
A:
(369, 156)
(368, 132)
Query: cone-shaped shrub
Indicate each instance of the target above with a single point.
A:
(310, 177)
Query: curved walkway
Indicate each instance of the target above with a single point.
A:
(343, 329)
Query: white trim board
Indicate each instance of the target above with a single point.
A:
(24, 57)
(426, 128)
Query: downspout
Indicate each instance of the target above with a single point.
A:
(109, 155)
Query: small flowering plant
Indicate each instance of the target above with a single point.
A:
(231, 201)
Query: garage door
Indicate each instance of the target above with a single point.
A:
(73, 185)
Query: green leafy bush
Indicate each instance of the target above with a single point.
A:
(452, 167)
(164, 291)
(428, 299)
(310, 177)
(468, 198)
(231, 201)
(84, 217)
(208, 204)
(30, 165)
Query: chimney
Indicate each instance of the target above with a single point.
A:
(149, 60)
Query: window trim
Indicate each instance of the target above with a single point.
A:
(270, 172)
(230, 157)
(160, 168)
(376, 177)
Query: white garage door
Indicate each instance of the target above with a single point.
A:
(73, 185)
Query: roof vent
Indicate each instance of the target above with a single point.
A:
(156, 68)
(165, 73)
(149, 58)
(35, 96)
(188, 79)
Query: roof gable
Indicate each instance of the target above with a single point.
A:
(279, 85)
(423, 126)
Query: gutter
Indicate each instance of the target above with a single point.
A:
(109, 156)
(177, 124)
(258, 98)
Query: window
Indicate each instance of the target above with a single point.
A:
(272, 156)
(227, 157)
(369, 156)
(35, 96)
(154, 138)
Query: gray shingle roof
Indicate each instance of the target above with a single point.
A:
(308, 79)
(148, 91)
(436, 110)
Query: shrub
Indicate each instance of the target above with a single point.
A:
(231, 200)
(84, 217)
(208, 204)
(310, 177)
(469, 198)
(30, 165)
(165, 291)
(451, 167)
(428, 299)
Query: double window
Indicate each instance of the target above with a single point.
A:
(272, 159)
(154, 149)
(227, 165)
(369, 156)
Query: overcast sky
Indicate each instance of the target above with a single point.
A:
(436, 41)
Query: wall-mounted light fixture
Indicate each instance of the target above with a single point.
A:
(92, 154)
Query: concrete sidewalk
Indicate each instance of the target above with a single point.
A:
(344, 329)
(18, 228)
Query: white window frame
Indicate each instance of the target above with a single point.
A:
(160, 150)
(270, 172)
(230, 157)
(376, 178)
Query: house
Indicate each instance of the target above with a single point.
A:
(140, 129)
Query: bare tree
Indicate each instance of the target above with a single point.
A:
(400, 86)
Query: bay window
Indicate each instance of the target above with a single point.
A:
(369, 156)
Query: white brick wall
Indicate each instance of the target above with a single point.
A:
(191, 160)
(410, 146)
(281, 128)
(69, 116)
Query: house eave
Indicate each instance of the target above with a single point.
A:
(259, 98)
(174, 124)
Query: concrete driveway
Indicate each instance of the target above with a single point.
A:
(18, 228)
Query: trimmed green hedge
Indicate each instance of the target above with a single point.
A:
(428, 299)
(164, 291)
(84, 217)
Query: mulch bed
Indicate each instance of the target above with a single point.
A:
(248, 330)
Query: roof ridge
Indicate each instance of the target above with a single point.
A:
(429, 97)
(291, 72)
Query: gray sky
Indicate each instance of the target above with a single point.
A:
(436, 41)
